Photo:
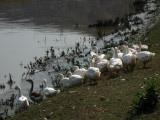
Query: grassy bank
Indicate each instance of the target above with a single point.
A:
(109, 100)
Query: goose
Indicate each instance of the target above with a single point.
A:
(81, 72)
(22, 101)
(64, 80)
(71, 80)
(48, 91)
(144, 56)
(93, 73)
(120, 54)
(102, 65)
(95, 55)
(128, 59)
(115, 62)
(34, 95)
(143, 46)
(76, 79)
(73, 68)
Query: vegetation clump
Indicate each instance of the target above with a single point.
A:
(146, 100)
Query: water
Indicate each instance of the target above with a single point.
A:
(29, 27)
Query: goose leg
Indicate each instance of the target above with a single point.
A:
(132, 67)
(95, 81)
(127, 67)
(90, 82)
(84, 81)
(144, 64)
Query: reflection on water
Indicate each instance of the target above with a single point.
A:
(29, 27)
(64, 12)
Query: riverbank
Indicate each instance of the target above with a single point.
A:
(110, 99)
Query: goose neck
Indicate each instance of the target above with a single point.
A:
(96, 50)
(32, 85)
(86, 60)
(113, 52)
(69, 74)
(127, 50)
(60, 75)
(19, 90)
(116, 53)
(45, 82)
(140, 47)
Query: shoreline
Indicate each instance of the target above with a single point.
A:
(150, 24)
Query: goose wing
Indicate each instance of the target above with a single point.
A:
(35, 94)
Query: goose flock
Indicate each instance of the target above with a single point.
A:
(123, 57)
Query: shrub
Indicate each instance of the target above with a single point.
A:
(146, 100)
(56, 84)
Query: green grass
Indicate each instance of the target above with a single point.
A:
(109, 100)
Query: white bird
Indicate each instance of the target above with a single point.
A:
(143, 47)
(73, 68)
(99, 61)
(95, 55)
(76, 80)
(144, 56)
(22, 101)
(81, 72)
(128, 59)
(115, 62)
(48, 91)
(64, 80)
(70, 81)
(93, 73)
(120, 54)
(102, 65)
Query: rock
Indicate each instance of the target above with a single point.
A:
(71, 92)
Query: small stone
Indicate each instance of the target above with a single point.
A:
(71, 92)
(51, 113)
(123, 79)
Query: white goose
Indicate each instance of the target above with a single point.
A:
(93, 73)
(115, 62)
(144, 56)
(143, 46)
(95, 55)
(81, 72)
(120, 54)
(73, 68)
(48, 91)
(128, 59)
(64, 80)
(102, 65)
(22, 101)
(76, 79)
(71, 81)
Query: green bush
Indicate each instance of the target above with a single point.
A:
(146, 100)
